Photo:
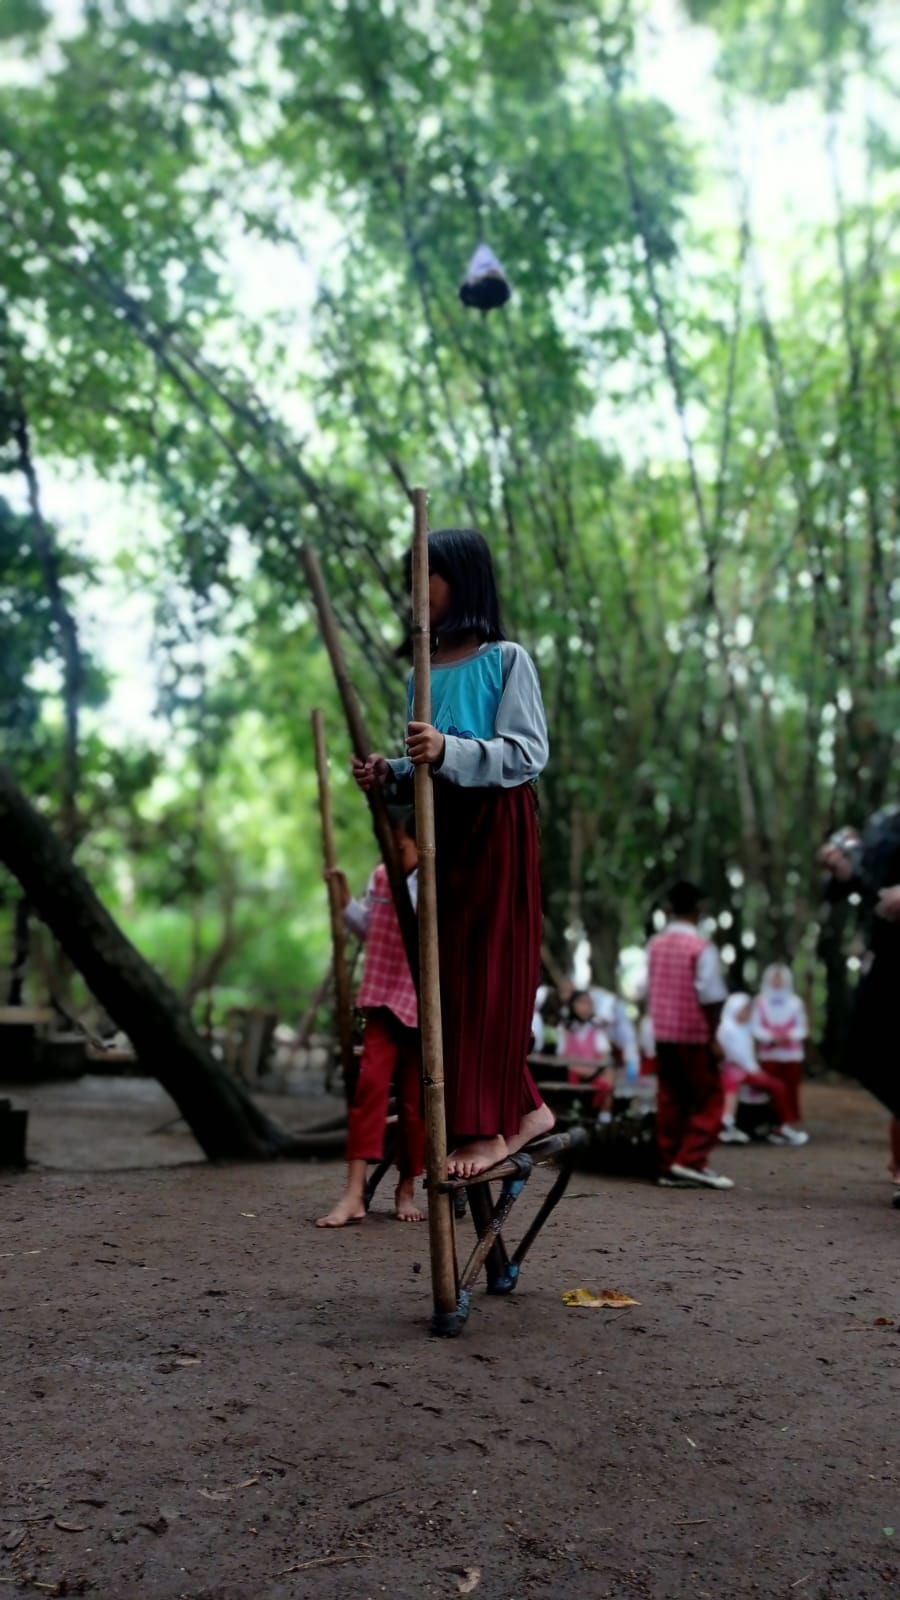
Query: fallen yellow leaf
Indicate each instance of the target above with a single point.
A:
(607, 1298)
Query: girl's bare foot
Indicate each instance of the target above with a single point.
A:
(405, 1208)
(476, 1156)
(350, 1208)
(534, 1125)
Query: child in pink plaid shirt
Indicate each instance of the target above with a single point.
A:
(686, 992)
(390, 1048)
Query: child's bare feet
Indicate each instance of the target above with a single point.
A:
(476, 1156)
(534, 1125)
(405, 1208)
(350, 1208)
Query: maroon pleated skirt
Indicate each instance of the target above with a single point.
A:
(490, 926)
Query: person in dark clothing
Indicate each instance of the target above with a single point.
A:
(870, 867)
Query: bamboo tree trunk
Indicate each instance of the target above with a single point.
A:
(222, 1117)
(20, 952)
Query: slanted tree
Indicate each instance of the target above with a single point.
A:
(221, 1115)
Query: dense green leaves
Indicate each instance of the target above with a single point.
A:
(781, 46)
(232, 239)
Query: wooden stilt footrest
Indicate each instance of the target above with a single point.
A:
(490, 1216)
(539, 1152)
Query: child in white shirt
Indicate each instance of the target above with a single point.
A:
(740, 1066)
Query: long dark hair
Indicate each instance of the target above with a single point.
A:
(580, 994)
(462, 557)
(403, 821)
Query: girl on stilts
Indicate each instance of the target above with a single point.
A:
(486, 745)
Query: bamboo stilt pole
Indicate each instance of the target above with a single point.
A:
(342, 995)
(362, 747)
(440, 1212)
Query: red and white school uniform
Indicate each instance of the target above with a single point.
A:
(488, 706)
(588, 1052)
(611, 1014)
(739, 1064)
(684, 975)
(780, 1030)
(387, 994)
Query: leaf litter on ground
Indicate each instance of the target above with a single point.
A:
(610, 1299)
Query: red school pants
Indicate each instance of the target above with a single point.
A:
(689, 1101)
(601, 1085)
(736, 1078)
(790, 1076)
(390, 1051)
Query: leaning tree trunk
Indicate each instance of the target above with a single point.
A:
(21, 951)
(222, 1117)
(603, 926)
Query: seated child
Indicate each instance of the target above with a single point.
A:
(739, 1067)
(390, 1044)
(587, 1050)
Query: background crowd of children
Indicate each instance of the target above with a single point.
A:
(703, 1050)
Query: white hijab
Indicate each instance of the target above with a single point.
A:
(735, 1036)
(781, 1004)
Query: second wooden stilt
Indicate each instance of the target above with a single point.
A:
(342, 995)
(362, 745)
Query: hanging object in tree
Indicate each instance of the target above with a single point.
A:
(485, 286)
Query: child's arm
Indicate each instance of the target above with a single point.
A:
(712, 991)
(357, 913)
(395, 776)
(758, 1026)
(519, 750)
(889, 903)
(622, 1033)
(374, 770)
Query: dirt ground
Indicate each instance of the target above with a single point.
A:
(204, 1397)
